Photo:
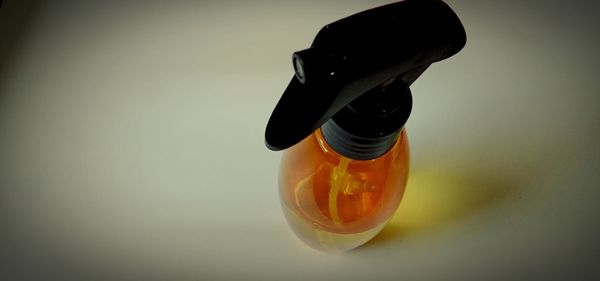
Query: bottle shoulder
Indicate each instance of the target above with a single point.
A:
(313, 153)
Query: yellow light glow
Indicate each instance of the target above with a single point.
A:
(438, 195)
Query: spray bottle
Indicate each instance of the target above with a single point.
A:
(341, 119)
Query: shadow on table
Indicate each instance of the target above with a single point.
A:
(15, 22)
(439, 195)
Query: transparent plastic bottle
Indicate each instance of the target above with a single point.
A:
(334, 203)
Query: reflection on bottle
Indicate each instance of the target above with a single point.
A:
(336, 203)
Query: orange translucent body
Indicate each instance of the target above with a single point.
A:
(336, 203)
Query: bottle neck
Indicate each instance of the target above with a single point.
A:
(357, 147)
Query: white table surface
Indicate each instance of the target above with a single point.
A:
(131, 145)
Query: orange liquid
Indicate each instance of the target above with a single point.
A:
(328, 193)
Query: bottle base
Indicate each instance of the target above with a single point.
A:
(327, 241)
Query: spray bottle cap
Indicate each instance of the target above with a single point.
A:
(353, 82)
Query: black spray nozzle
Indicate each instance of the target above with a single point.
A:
(361, 56)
